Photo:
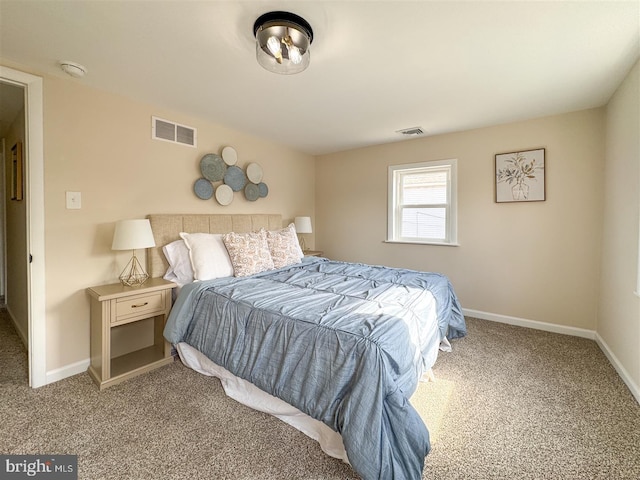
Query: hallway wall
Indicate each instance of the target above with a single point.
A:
(16, 248)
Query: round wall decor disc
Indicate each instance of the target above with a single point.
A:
(203, 189)
(212, 167)
(224, 195)
(235, 178)
(229, 155)
(251, 192)
(254, 172)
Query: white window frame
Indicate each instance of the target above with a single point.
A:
(394, 217)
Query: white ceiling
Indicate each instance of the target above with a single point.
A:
(376, 67)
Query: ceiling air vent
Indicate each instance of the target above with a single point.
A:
(173, 132)
(411, 131)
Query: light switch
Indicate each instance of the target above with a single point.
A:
(74, 200)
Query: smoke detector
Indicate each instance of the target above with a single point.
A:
(74, 69)
(411, 131)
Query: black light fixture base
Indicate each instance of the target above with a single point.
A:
(279, 17)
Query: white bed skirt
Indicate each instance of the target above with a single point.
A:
(251, 396)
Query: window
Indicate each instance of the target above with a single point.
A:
(422, 203)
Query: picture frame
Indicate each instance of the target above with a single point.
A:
(17, 170)
(520, 176)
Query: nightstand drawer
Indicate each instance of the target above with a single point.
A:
(139, 305)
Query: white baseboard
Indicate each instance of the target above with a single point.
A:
(67, 371)
(523, 322)
(576, 332)
(624, 375)
(58, 373)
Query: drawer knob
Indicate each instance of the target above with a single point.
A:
(141, 305)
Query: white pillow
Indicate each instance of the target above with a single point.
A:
(284, 246)
(249, 252)
(180, 270)
(209, 257)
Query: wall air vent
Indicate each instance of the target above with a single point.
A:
(169, 131)
(411, 131)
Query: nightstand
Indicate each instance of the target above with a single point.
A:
(112, 307)
(312, 253)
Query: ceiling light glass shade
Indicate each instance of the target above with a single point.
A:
(282, 42)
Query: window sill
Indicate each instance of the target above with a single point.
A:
(406, 242)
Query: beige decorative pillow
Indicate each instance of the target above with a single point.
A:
(249, 252)
(284, 247)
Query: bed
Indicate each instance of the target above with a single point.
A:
(335, 349)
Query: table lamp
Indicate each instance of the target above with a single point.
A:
(130, 235)
(303, 225)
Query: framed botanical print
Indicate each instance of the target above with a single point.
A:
(520, 176)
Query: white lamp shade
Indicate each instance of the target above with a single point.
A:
(132, 234)
(303, 224)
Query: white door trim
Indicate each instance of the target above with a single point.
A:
(34, 196)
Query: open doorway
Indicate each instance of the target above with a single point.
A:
(29, 156)
(13, 261)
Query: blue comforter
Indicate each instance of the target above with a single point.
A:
(344, 343)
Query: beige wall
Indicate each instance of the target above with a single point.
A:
(537, 261)
(619, 312)
(16, 247)
(100, 144)
(533, 261)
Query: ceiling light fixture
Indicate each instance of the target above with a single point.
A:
(282, 42)
(73, 69)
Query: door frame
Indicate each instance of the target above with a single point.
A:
(34, 196)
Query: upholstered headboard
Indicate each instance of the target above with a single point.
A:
(167, 227)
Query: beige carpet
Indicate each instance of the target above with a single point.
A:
(508, 403)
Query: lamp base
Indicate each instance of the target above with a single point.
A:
(303, 244)
(133, 274)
